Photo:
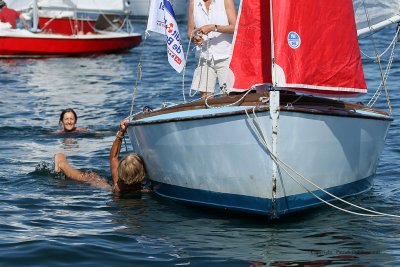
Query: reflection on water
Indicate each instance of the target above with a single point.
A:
(70, 143)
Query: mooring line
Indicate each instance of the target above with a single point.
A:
(261, 136)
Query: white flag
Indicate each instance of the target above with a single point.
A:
(162, 20)
(156, 21)
(176, 56)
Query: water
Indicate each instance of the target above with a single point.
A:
(50, 221)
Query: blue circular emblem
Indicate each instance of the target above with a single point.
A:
(294, 40)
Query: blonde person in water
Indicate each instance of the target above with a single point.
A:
(127, 174)
(68, 120)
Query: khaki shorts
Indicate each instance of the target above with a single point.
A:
(206, 74)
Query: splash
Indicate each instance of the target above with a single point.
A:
(45, 168)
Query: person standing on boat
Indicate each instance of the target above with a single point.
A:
(10, 15)
(211, 24)
(68, 120)
(127, 174)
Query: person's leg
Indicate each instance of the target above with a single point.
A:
(204, 78)
(61, 164)
(221, 67)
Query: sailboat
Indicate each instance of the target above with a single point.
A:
(282, 140)
(57, 30)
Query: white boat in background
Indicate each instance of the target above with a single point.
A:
(278, 143)
(58, 29)
(139, 9)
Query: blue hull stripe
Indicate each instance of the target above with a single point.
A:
(285, 205)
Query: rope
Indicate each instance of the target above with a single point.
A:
(261, 137)
(126, 147)
(385, 51)
(138, 78)
(377, 93)
(377, 58)
(229, 105)
(184, 68)
(199, 63)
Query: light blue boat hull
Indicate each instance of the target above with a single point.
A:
(213, 157)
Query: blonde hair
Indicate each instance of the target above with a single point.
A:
(131, 169)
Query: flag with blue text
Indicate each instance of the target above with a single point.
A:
(175, 53)
(176, 56)
(156, 21)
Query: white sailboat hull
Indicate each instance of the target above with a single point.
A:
(211, 157)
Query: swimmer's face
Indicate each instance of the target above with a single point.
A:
(69, 121)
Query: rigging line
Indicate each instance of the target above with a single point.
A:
(384, 52)
(72, 27)
(138, 78)
(375, 97)
(199, 63)
(48, 22)
(110, 23)
(126, 147)
(263, 141)
(184, 68)
(378, 59)
(223, 106)
(261, 137)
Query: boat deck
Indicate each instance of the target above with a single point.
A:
(259, 101)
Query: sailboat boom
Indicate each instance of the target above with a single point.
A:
(378, 26)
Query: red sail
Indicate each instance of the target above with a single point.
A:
(315, 47)
(251, 56)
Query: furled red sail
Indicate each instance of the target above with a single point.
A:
(315, 47)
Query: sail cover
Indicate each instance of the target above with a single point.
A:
(314, 47)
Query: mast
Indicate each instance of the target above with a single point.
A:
(35, 16)
(274, 100)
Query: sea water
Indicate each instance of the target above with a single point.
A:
(47, 220)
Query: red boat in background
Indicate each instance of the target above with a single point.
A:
(67, 35)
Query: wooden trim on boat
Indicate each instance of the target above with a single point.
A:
(290, 102)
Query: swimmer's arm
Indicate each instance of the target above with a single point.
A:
(114, 162)
(114, 152)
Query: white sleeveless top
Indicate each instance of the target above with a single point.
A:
(219, 45)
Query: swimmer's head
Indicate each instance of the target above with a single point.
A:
(131, 169)
(68, 119)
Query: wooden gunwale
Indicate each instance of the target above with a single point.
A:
(288, 102)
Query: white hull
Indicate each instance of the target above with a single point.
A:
(205, 152)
